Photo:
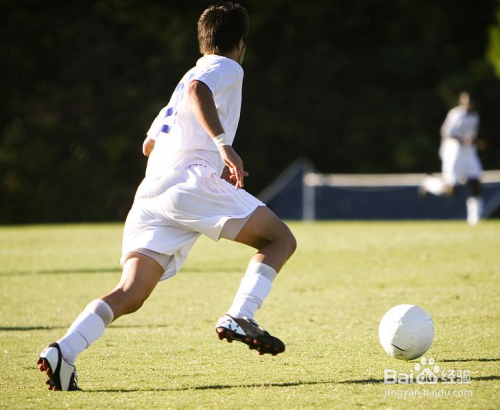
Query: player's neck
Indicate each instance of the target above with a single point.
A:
(236, 54)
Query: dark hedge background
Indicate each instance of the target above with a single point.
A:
(355, 86)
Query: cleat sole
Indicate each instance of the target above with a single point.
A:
(44, 367)
(53, 382)
(253, 344)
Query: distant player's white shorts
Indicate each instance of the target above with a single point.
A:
(168, 215)
(460, 163)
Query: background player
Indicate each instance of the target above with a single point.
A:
(183, 196)
(460, 162)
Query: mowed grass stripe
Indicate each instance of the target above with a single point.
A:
(326, 305)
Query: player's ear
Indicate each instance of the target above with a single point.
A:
(241, 50)
(241, 44)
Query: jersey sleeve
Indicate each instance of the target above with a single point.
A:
(209, 77)
(218, 77)
(157, 124)
(445, 128)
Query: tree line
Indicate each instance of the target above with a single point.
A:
(355, 86)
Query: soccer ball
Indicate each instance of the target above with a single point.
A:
(406, 332)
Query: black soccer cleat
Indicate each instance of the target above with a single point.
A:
(62, 376)
(249, 332)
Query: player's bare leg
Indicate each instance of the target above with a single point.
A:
(140, 276)
(271, 237)
(436, 186)
(275, 244)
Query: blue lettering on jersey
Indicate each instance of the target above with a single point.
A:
(179, 87)
(171, 112)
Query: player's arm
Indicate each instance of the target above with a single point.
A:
(474, 140)
(203, 106)
(471, 137)
(148, 146)
(479, 143)
(450, 131)
(445, 128)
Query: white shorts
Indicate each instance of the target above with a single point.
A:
(460, 163)
(168, 215)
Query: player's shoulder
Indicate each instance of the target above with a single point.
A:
(457, 110)
(217, 62)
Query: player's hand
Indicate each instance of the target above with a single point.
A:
(234, 164)
(148, 146)
(467, 141)
(480, 145)
(226, 175)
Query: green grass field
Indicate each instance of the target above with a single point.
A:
(326, 305)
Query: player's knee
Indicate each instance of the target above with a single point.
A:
(449, 190)
(278, 236)
(127, 303)
(135, 304)
(287, 241)
(291, 244)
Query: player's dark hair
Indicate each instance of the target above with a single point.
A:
(221, 27)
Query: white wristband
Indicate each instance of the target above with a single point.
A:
(221, 140)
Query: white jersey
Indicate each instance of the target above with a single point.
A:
(178, 135)
(182, 195)
(460, 124)
(458, 151)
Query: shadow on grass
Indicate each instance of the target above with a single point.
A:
(485, 378)
(113, 326)
(260, 385)
(497, 359)
(31, 328)
(216, 387)
(59, 271)
(363, 381)
(381, 381)
(224, 386)
(97, 270)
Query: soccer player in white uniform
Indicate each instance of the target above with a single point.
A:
(193, 186)
(460, 162)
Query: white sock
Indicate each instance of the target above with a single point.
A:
(474, 209)
(85, 330)
(434, 185)
(253, 290)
